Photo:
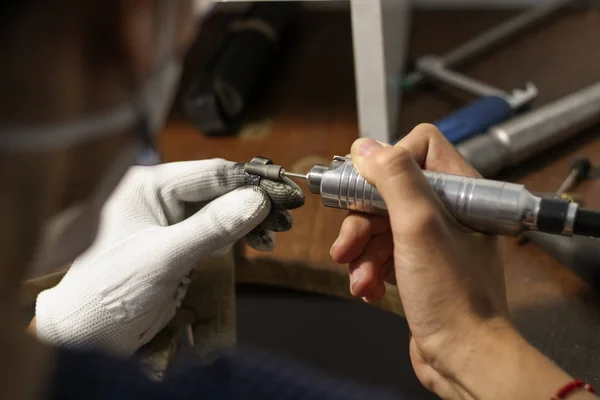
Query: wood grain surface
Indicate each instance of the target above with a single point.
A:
(307, 112)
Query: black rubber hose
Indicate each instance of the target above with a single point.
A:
(587, 223)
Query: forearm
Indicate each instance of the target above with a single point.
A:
(504, 366)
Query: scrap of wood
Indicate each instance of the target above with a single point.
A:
(322, 279)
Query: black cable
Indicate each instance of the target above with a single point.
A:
(587, 223)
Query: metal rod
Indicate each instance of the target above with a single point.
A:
(492, 37)
(295, 175)
(437, 71)
(503, 31)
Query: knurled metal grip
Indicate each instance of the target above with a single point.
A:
(340, 186)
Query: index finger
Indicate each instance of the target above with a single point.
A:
(433, 152)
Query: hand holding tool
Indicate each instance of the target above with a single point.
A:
(155, 229)
(483, 205)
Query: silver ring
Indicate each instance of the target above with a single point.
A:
(570, 219)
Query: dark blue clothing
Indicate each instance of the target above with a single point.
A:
(233, 376)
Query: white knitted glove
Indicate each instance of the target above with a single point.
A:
(155, 228)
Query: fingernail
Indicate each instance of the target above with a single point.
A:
(335, 244)
(368, 146)
(353, 283)
(355, 278)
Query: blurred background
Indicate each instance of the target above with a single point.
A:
(298, 82)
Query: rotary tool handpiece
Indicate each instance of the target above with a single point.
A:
(483, 205)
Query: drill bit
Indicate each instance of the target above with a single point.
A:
(263, 167)
(295, 175)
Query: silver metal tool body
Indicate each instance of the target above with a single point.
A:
(531, 133)
(483, 205)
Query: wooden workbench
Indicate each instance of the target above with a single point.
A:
(308, 114)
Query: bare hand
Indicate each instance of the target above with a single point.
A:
(450, 279)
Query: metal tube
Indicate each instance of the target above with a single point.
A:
(495, 35)
(522, 137)
(483, 205)
(436, 70)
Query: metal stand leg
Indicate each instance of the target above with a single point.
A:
(380, 39)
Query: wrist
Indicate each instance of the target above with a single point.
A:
(497, 362)
(469, 345)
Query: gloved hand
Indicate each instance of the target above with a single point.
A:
(155, 228)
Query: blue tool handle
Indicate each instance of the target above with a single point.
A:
(474, 118)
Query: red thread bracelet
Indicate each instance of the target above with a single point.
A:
(571, 387)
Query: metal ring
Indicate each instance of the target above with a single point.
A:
(570, 219)
(261, 160)
(253, 179)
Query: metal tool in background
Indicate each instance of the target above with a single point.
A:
(483, 205)
(493, 107)
(490, 38)
(529, 134)
(433, 67)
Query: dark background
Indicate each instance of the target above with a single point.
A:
(351, 340)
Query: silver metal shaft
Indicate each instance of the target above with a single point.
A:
(295, 175)
(431, 66)
(483, 205)
(531, 133)
(504, 31)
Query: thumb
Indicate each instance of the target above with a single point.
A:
(197, 181)
(398, 178)
(222, 222)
